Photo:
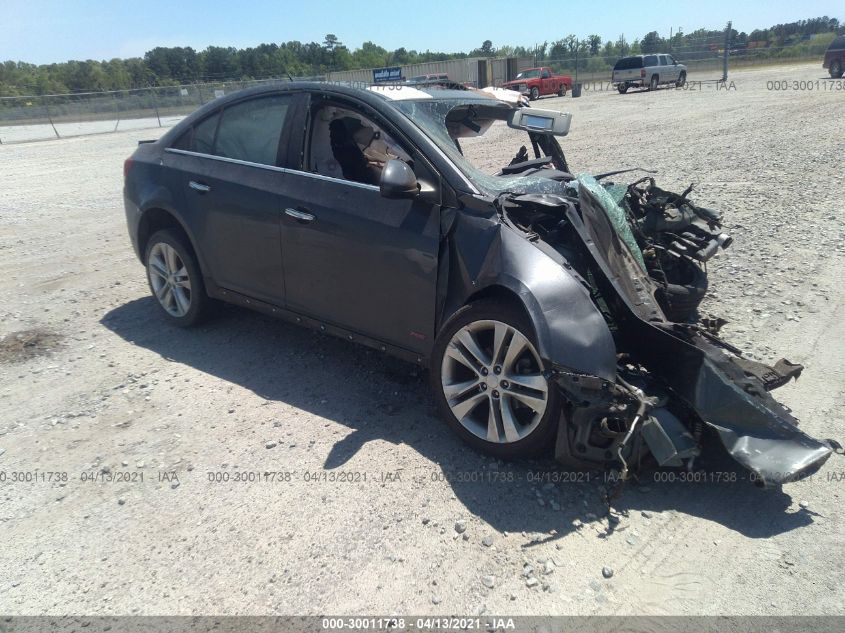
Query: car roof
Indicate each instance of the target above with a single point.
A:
(374, 94)
(436, 89)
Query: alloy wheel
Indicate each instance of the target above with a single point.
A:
(492, 379)
(169, 279)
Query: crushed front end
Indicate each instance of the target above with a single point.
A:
(675, 378)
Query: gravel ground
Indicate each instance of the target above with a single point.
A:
(172, 426)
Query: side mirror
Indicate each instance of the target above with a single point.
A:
(398, 180)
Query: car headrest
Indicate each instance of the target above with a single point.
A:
(364, 135)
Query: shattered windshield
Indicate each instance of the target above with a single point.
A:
(476, 137)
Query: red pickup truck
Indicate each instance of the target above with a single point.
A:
(538, 82)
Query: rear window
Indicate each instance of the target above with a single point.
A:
(650, 60)
(627, 63)
(837, 44)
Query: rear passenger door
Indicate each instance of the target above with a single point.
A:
(235, 189)
(652, 67)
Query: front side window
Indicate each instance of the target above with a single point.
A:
(664, 60)
(349, 146)
(546, 74)
(250, 130)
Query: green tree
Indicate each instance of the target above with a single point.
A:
(652, 43)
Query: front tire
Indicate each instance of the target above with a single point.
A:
(535, 94)
(835, 69)
(489, 384)
(175, 279)
(682, 80)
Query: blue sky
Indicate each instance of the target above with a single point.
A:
(44, 31)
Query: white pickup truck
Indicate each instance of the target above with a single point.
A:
(648, 71)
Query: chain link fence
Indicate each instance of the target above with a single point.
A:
(33, 118)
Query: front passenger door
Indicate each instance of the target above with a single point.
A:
(353, 258)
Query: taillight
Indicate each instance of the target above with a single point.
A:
(642, 73)
(127, 165)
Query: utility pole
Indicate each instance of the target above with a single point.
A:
(725, 55)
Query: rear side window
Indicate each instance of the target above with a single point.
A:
(250, 130)
(199, 138)
(627, 63)
(203, 141)
(650, 60)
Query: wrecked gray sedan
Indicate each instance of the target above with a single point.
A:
(555, 311)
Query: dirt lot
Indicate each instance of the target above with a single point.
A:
(168, 423)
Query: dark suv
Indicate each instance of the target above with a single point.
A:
(834, 57)
(537, 299)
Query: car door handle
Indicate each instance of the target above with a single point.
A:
(198, 186)
(301, 216)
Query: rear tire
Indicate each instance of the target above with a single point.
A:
(655, 81)
(835, 69)
(175, 278)
(622, 88)
(561, 91)
(493, 402)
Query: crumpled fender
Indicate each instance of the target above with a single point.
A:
(482, 252)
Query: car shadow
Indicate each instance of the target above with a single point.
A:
(385, 399)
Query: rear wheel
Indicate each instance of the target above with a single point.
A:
(175, 279)
(682, 79)
(655, 80)
(622, 88)
(835, 69)
(561, 91)
(535, 93)
(489, 384)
